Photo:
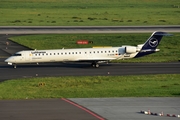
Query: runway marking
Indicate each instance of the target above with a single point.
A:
(83, 108)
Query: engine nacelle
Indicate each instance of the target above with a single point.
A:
(130, 49)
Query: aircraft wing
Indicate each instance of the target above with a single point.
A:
(94, 59)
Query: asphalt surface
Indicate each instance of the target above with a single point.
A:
(86, 29)
(82, 109)
(90, 109)
(42, 109)
(130, 108)
(77, 69)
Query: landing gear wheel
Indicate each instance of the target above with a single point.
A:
(95, 65)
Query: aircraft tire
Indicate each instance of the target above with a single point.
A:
(96, 65)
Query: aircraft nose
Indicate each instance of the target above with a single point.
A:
(9, 60)
(6, 60)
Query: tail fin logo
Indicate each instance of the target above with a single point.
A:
(153, 42)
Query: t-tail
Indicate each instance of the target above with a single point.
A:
(151, 44)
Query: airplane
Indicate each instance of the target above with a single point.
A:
(92, 55)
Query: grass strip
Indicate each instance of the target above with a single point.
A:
(92, 87)
(89, 13)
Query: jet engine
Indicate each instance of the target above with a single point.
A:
(130, 49)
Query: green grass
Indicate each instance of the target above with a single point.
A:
(96, 86)
(91, 12)
(169, 46)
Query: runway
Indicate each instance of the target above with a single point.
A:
(84, 69)
(86, 29)
(83, 108)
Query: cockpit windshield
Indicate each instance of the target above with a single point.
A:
(17, 54)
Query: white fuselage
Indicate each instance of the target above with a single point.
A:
(62, 55)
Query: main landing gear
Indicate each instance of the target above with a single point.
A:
(95, 64)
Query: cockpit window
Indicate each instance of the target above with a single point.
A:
(17, 54)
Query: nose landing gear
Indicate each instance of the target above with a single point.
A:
(14, 66)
